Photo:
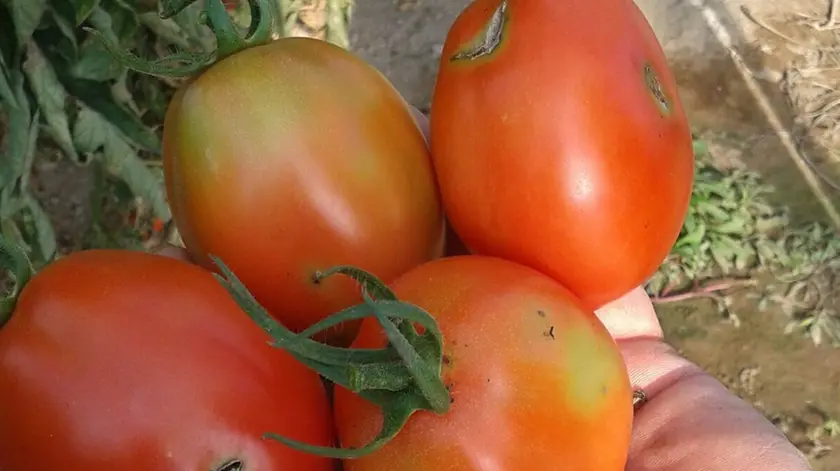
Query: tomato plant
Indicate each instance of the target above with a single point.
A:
(285, 157)
(560, 142)
(294, 156)
(535, 380)
(131, 361)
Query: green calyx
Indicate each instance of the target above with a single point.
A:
(13, 260)
(228, 39)
(402, 378)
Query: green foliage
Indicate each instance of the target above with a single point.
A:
(731, 231)
(58, 85)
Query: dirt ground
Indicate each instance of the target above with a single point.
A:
(796, 384)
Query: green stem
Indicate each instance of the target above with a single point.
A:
(228, 40)
(185, 64)
(14, 261)
(402, 378)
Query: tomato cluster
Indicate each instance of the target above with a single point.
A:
(556, 179)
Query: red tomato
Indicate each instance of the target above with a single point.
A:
(130, 361)
(536, 381)
(296, 156)
(560, 142)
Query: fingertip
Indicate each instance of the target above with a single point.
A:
(421, 121)
(173, 251)
(631, 316)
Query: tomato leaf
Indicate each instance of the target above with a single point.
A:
(27, 16)
(166, 29)
(82, 8)
(94, 61)
(93, 133)
(45, 234)
(97, 96)
(170, 8)
(51, 98)
(20, 127)
(65, 20)
(13, 260)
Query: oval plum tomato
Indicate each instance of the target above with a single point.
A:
(536, 381)
(295, 156)
(136, 362)
(560, 141)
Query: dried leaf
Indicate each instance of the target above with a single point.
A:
(51, 98)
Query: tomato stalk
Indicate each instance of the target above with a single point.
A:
(14, 261)
(217, 18)
(402, 378)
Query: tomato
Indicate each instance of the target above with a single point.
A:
(560, 141)
(536, 381)
(295, 156)
(130, 361)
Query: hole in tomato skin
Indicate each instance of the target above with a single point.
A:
(232, 465)
(486, 42)
(655, 88)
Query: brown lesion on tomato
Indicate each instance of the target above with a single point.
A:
(232, 465)
(550, 333)
(655, 89)
(488, 40)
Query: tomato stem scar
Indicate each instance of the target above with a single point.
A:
(488, 40)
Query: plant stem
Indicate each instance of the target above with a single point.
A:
(402, 378)
(185, 63)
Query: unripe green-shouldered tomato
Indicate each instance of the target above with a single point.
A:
(295, 156)
(536, 381)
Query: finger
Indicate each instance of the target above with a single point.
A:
(690, 422)
(421, 121)
(631, 316)
(694, 424)
(632, 322)
(173, 251)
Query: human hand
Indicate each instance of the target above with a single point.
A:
(690, 422)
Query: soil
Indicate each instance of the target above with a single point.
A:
(794, 383)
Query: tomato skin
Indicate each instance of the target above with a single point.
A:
(297, 156)
(552, 152)
(514, 342)
(130, 361)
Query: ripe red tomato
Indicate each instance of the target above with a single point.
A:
(130, 361)
(536, 381)
(560, 142)
(296, 156)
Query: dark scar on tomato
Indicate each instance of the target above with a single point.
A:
(655, 88)
(550, 333)
(541, 313)
(232, 465)
(491, 40)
